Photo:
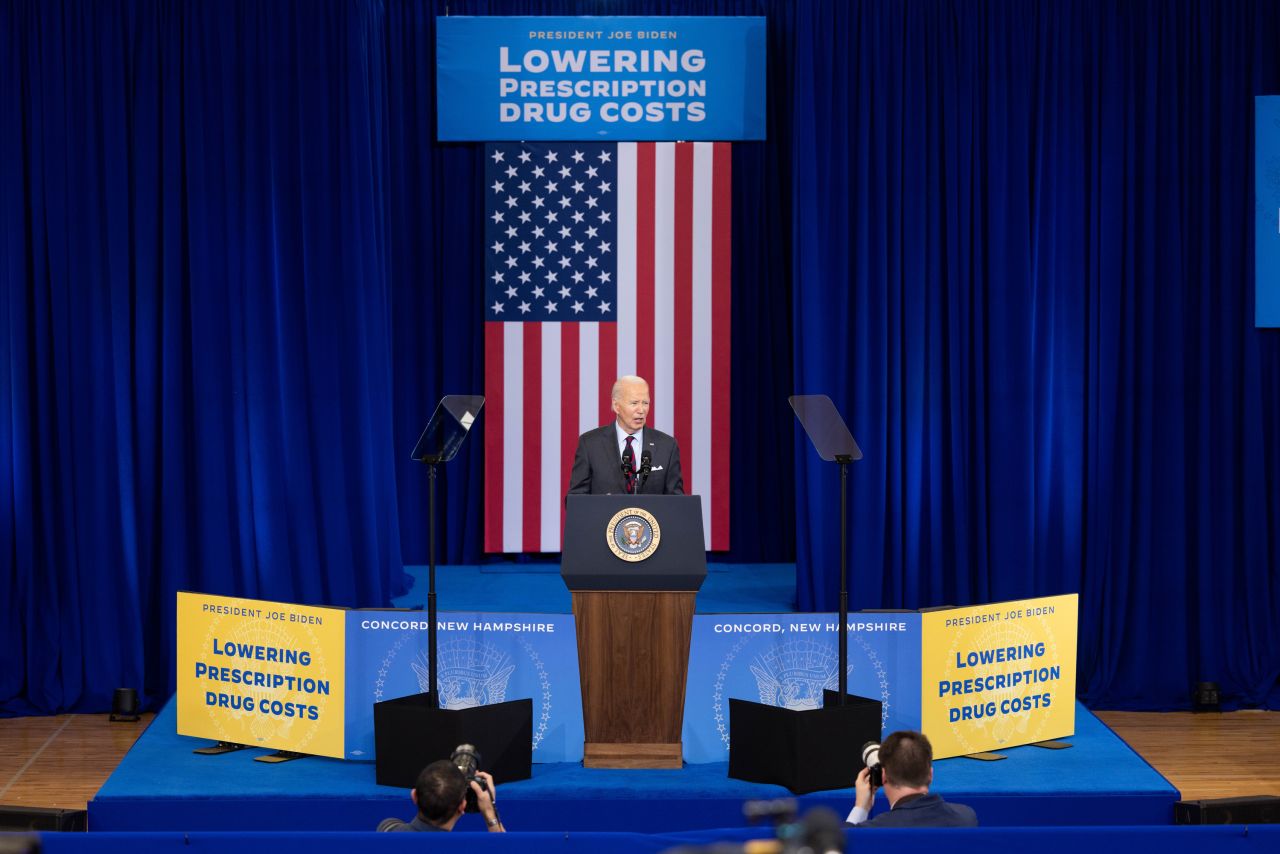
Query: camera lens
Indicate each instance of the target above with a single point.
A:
(467, 758)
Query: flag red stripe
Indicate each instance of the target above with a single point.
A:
(644, 319)
(568, 405)
(608, 368)
(721, 459)
(682, 362)
(493, 437)
(531, 440)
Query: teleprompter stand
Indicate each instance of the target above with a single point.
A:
(811, 749)
(411, 732)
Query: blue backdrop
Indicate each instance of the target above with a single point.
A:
(1013, 241)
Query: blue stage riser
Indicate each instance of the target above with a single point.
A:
(161, 785)
(1069, 840)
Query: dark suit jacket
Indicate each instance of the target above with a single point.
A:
(925, 811)
(597, 465)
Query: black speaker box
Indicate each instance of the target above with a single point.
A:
(22, 819)
(410, 733)
(806, 751)
(1260, 809)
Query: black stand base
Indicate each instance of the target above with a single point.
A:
(806, 751)
(220, 748)
(280, 756)
(410, 733)
(986, 756)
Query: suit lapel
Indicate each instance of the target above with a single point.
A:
(609, 443)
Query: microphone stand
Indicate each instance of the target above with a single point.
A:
(433, 692)
(844, 460)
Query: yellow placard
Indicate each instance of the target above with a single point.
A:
(998, 675)
(266, 674)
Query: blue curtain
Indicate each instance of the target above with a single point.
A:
(1011, 239)
(1023, 269)
(196, 313)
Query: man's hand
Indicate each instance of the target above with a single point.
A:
(485, 797)
(864, 794)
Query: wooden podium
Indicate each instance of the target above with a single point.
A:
(634, 564)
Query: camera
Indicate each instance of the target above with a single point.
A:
(871, 759)
(818, 831)
(467, 759)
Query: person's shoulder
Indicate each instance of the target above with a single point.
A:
(653, 434)
(964, 815)
(605, 430)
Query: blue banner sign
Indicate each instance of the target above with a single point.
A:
(581, 79)
(780, 659)
(788, 660)
(1267, 211)
(484, 658)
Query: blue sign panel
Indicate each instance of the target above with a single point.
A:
(484, 658)
(780, 659)
(1267, 211)
(788, 660)
(623, 78)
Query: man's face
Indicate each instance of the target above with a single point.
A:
(632, 406)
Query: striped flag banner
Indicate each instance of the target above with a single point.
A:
(602, 260)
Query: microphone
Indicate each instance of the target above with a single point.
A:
(646, 463)
(628, 465)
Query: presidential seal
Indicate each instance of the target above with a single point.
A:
(633, 534)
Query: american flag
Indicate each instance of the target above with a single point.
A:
(602, 260)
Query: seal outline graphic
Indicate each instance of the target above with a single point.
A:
(616, 536)
(544, 681)
(717, 696)
(1018, 719)
(459, 659)
(280, 725)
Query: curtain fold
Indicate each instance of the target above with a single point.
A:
(198, 309)
(1024, 270)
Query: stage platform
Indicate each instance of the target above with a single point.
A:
(162, 786)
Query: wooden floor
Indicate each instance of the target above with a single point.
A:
(1207, 755)
(62, 761)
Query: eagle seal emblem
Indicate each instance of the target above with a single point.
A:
(633, 534)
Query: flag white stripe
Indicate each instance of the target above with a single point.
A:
(626, 248)
(513, 451)
(700, 452)
(549, 518)
(664, 285)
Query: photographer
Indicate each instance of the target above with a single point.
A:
(906, 763)
(440, 794)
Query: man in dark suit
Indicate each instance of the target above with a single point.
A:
(625, 456)
(906, 761)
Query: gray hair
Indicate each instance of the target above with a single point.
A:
(627, 380)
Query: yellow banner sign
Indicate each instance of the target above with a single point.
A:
(266, 674)
(998, 675)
